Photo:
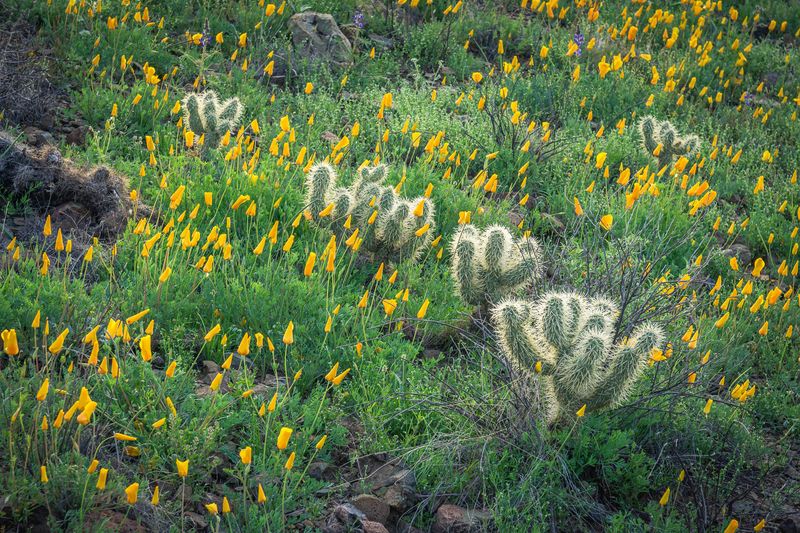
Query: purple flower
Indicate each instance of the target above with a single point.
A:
(358, 19)
(578, 39)
(748, 99)
(205, 40)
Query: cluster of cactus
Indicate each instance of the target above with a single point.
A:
(563, 354)
(661, 140)
(207, 116)
(391, 227)
(490, 265)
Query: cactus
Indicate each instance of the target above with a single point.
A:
(663, 141)
(564, 343)
(489, 265)
(387, 222)
(205, 115)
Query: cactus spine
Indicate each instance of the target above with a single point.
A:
(573, 338)
(206, 115)
(660, 139)
(489, 265)
(388, 224)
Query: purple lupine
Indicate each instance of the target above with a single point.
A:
(205, 40)
(358, 19)
(578, 39)
(749, 98)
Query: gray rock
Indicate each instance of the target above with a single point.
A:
(372, 507)
(373, 527)
(317, 37)
(454, 519)
(740, 252)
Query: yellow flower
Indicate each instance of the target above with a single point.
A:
(321, 442)
(338, 379)
(283, 437)
(707, 408)
(423, 309)
(10, 344)
(290, 461)
(600, 159)
(102, 478)
(124, 437)
(389, 306)
(581, 411)
(308, 88)
(158, 423)
(212, 333)
(43, 474)
(226, 506)
(132, 493)
(578, 207)
(42, 393)
(732, 526)
(144, 346)
(477, 77)
(58, 344)
(246, 454)
(212, 508)
(664, 498)
(183, 467)
(606, 221)
(261, 496)
(288, 335)
(216, 382)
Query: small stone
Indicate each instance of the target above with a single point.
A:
(348, 514)
(210, 368)
(372, 506)
(454, 519)
(320, 470)
(77, 136)
(373, 527)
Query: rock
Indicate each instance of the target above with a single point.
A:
(454, 519)
(383, 42)
(373, 527)
(348, 514)
(740, 252)
(514, 218)
(210, 369)
(321, 471)
(330, 137)
(37, 137)
(317, 37)
(239, 361)
(399, 498)
(373, 507)
(789, 525)
(351, 31)
(77, 136)
(71, 215)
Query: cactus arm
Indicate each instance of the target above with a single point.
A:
(320, 180)
(626, 363)
(649, 133)
(192, 113)
(578, 376)
(465, 268)
(522, 349)
(229, 115)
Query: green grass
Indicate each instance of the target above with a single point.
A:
(445, 409)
